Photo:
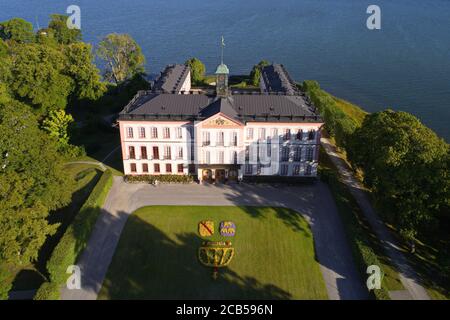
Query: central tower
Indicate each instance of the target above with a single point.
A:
(222, 73)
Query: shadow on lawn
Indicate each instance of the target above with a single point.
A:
(158, 267)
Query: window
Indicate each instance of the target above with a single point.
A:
(296, 170)
(262, 133)
(309, 154)
(168, 168)
(154, 133)
(220, 138)
(180, 168)
(249, 133)
(167, 153)
(284, 169)
(155, 153)
(299, 135)
(311, 135)
(133, 167)
(234, 139)
(131, 152)
(234, 156)
(206, 157)
(248, 168)
(220, 157)
(247, 153)
(143, 152)
(275, 133)
(297, 154)
(141, 132)
(179, 132)
(156, 168)
(166, 133)
(308, 170)
(206, 138)
(258, 169)
(129, 132)
(287, 134)
(285, 154)
(145, 167)
(179, 152)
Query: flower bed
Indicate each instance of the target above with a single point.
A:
(163, 178)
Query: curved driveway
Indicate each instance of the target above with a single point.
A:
(314, 201)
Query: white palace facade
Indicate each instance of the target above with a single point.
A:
(221, 135)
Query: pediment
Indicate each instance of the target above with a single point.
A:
(220, 120)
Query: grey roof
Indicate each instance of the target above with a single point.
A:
(172, 78)
(243, 107)
(277, 79)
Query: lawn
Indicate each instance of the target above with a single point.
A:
(156, 256)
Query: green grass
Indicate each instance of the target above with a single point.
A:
(156, 257)
(350, 109)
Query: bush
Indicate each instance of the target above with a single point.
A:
(162, 178)
(5, 281)
(77, 234)
(337, 122)
(47, 291)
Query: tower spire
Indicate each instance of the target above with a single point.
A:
(222, 45)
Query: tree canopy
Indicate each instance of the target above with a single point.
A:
(406, 165)
(123, 57)
(255, 74)
(17, 30)
(197, 70)
(60, 31)
(32, 184)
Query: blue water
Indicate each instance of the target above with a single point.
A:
(405, 65)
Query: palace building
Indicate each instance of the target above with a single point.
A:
(224, 134)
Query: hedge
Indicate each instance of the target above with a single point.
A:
(47, 291)
(162, 178)
(77, 235)
(337, 122)
(357, 236)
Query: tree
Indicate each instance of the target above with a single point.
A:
(39, 78)
(57, 125)
(62, 34)
(255, 74)
(17, 30)
(123, 56)
(406, 166)
(33, 183)
(81, 68)
(197, 70)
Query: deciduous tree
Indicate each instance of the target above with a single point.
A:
(406, 165)
(197, 70)
(62, 34)
(123, 57)
(33, 183)
(255, 74)
(17, 30)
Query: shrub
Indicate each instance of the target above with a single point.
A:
(47, 291)
(337, 122)
(163, 178)
(5, 281)
(77, 234)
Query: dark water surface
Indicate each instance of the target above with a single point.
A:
(405, 65)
